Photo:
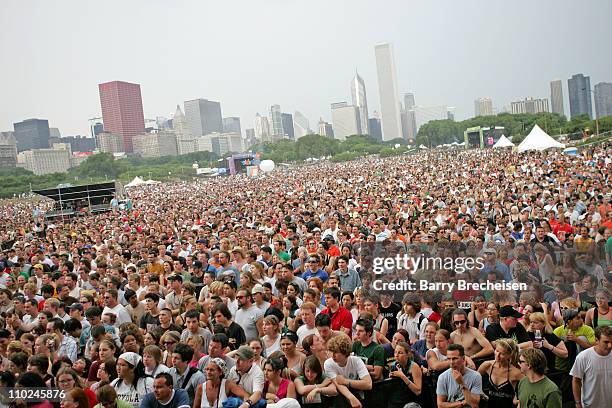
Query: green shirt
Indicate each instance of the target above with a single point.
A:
(373, 354)
(541, 394)
(561, 332)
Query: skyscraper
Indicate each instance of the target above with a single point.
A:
(409, 129)
(232, 125)
(32, 134)
(345, 120)
(8, 150)
(96, 125)
(287, 120)
(185, 141)
(375, 130)
(579, 89)
(122, 112)
(262, 128)
(409, 102)
(387, 90)
(301, 126)
(203, 117)
(603, 99)
(483, 107)
(326, 129)
(277, 122)
(360, 101)
(556, 97)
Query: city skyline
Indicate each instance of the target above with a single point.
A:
(67, 97)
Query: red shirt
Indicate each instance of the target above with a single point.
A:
(333, 251)
(342, 318)
(567, 228)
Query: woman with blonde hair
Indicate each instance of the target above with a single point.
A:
(215, 289)
(189, 303)
(501, 375)
(272, 337)
(247, 281)
(541, 333)
(258, 273)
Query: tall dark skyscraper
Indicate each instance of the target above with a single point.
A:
(579, 88)
(287, 120)
(375, 130)
(122, 112)
(32, 134)
(203, 117)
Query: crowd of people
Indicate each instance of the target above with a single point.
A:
(252, 292)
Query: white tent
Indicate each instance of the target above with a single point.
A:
(537, 139)
(136, 182)
(152, 182)
(503, 142)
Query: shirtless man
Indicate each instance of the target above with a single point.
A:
(475, 344)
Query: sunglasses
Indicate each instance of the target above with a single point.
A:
(458, 322)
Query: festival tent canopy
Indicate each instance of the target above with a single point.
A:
(537, 139)
(503, 142)
(136, 182)
(152, 182)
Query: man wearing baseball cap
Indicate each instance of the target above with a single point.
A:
(248, 375)
(509, 328)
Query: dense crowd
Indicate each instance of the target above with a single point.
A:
(252, 292)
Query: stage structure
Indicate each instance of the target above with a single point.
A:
(483, 137)
(244, 163)
(70, 201)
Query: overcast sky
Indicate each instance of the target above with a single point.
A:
(301, 54)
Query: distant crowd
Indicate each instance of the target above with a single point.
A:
(253, 292)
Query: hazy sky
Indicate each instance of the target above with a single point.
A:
(301, 54)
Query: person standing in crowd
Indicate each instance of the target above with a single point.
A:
(509, 328)
(501, 376)
(592, 371)
(459, 384)
(535, 389)
(409, 373)
(249, 316)
(475, 344)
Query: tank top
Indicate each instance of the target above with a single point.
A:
(502, 395)
(599, 321)
(282, 388)
(221, 396)
(274, 347)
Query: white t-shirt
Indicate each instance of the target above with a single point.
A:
(303, 331)
(129, 393)
(122, 314)
(595, 371)
(355, 368)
